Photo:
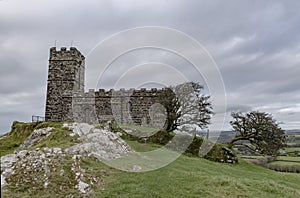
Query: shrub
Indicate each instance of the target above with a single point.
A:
(195, 146)
(115, 128)
(263, 161)
(161, 137)
(284, 168)
(220, 153)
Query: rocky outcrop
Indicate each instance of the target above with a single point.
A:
(35, 137)
(99, 143)
(7, 162)
(41, 166)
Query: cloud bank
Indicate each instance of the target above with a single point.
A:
(256, 45)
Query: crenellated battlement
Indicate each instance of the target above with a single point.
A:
(143, 92)
(65, 54)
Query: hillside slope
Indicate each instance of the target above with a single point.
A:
(57, 161)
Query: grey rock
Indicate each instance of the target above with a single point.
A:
(35, 137)
(7, 163)
(100, 143)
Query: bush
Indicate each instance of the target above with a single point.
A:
(263, 161)
(161, 137)
(284, 168)
(180, 141)
(115, 128)
(266, 162)
(218, 153)
(195, 146)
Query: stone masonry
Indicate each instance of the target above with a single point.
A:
(67, 101)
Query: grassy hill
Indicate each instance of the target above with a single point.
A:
(196, 177)
(185, 177)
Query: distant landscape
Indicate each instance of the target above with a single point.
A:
(225, 136)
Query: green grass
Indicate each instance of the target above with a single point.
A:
(12, 140)
(291, 143)
(185, 177)
(140, 147)
(196, 177)
(59, 186)
(139, 130)
(292, 149)
(252, 156)
(20, 131)
(60, 137)
(288, 158)
(286, 163)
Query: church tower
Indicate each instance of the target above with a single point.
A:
(65, 78)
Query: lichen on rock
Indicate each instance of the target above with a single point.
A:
(35, 137)
(99, 143)
(59, 170)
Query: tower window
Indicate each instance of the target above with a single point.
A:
(129, 106)
(62, 67)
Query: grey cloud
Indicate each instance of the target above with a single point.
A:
(238, 108)
(260, 68)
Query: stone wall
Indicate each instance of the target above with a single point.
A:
(65, 77)
(139, 107)
(83, 107)
(126, 106)
(66, 100)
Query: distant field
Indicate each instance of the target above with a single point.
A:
(288, 163)
(288, 158)
(252, 156)
(294, 141)
(292, 149)
(292, 144)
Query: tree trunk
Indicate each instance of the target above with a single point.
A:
(231, 143)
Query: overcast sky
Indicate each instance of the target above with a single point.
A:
(255, 44)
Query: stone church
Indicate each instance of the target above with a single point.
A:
(67, 100)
